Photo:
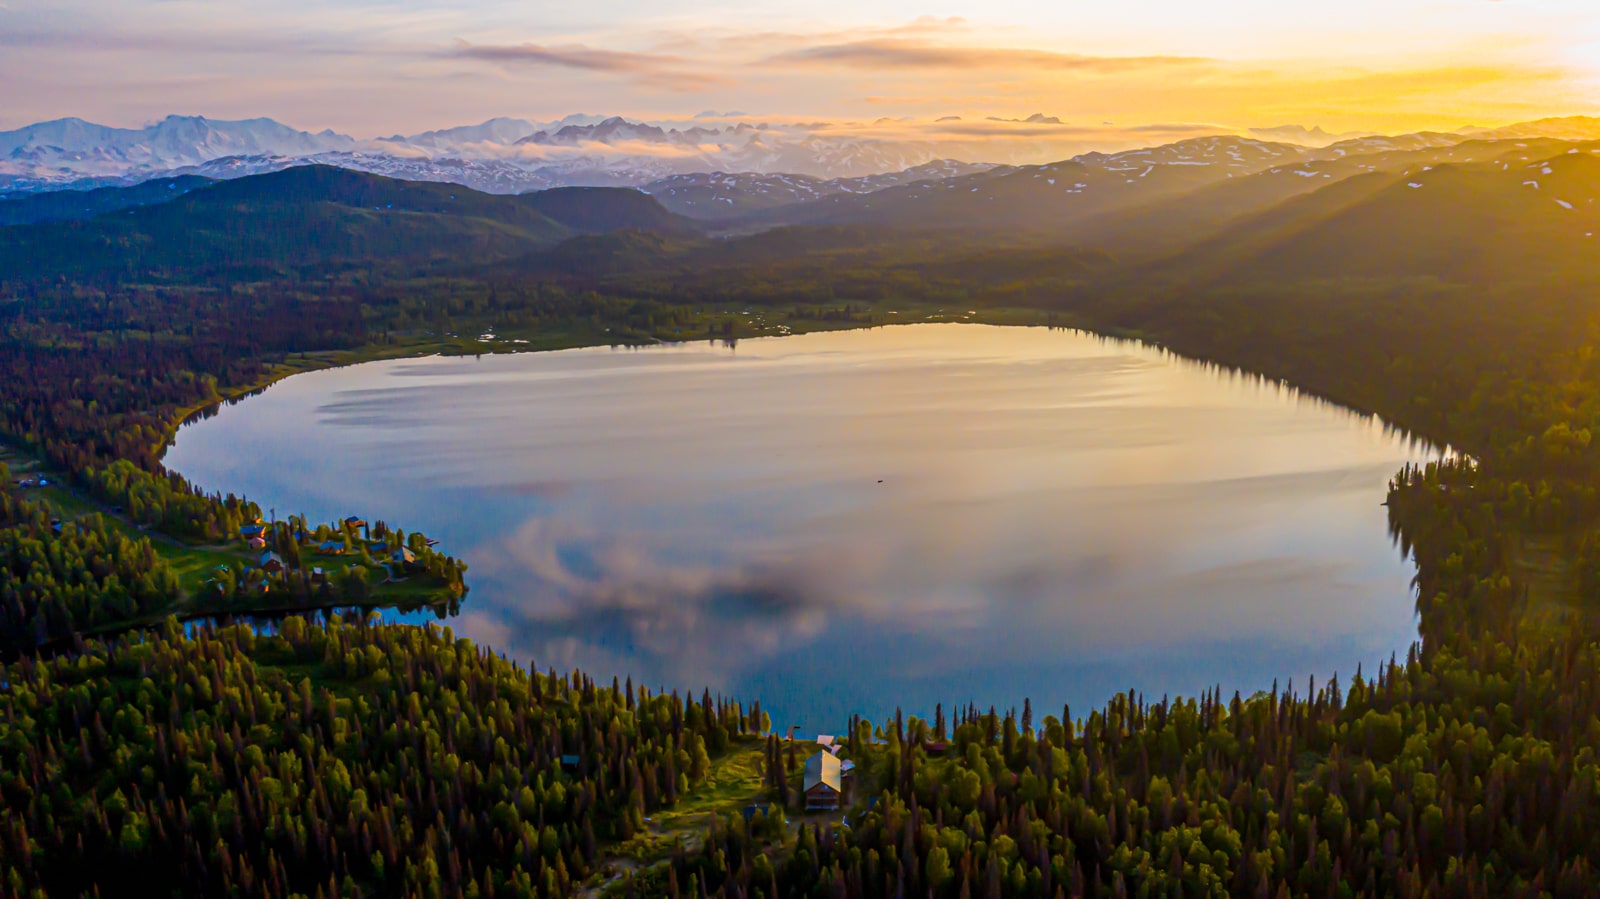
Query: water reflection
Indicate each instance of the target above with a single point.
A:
(847, 522)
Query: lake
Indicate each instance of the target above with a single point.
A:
(854, 521)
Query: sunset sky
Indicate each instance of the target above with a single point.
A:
(386, 66)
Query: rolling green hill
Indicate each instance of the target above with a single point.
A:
(72, 205)
(311, 218)
(598, 210)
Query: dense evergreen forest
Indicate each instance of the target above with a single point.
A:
(355, 758)
(211, 763)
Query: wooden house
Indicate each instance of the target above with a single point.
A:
(272, 563)
(824, 784)
(257, 543)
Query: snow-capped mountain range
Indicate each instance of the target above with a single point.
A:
(500, 155)
(84, 148)
(509, 155)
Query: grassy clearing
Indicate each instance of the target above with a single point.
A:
(733, 782)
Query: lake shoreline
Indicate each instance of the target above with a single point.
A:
(387, 413)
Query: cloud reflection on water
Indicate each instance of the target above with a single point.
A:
(1056, 512)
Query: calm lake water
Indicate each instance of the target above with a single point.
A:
(862, 520)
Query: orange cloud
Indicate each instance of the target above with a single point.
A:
(904, 53)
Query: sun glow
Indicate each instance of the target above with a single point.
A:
(405, 66)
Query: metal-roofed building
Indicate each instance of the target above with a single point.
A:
(824, 782)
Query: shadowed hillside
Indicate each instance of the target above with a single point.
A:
(310, 217)
(64, 205)
(1473, 223)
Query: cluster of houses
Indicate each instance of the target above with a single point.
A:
(255, 536)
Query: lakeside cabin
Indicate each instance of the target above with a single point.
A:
(403, 556)
(824, 782)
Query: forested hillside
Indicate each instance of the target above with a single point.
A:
(308, 219)
(73, 205)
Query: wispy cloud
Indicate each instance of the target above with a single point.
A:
(894, 53)
(655, 69)
(173, 42)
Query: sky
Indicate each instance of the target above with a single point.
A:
(381, 67)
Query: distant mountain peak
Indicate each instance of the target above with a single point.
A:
(1315, 136)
